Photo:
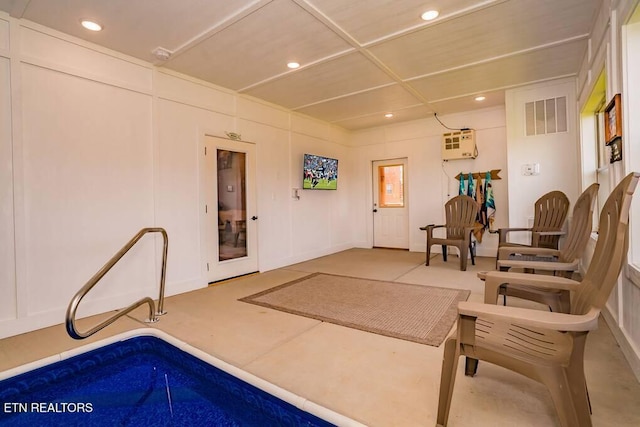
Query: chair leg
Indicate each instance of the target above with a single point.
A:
(578, 383)
(444, 253)
(470, 367)
(447, 380)
(580, 394)
(463, 258)
(557, 382)
(472, 250)
(428, 254)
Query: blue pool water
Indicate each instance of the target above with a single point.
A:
(141, 381)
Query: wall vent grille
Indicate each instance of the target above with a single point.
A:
(546, 116)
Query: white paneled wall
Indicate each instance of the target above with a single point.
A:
(78, 160)
(607, 53)
(4, 36)
(180, 130)
(65, 56)
(320, 219)
(630, 322)
(275, 194)
(431, 181)
(556, 153)
(7, 250)
(104, 145)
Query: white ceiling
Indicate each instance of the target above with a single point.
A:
(359, 58)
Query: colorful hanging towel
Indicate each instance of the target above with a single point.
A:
(461, 188)
(471, 190)
(489, 203)
(480, 223)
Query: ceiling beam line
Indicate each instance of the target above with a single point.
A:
(438, 21)
(404, 83)
(340, 32)
(377, 113)
(346, 95)
(302, 67)
(216, 28)
(507, 87)
(504, 56)
(461, 96)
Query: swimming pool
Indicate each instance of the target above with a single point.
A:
(147, 377)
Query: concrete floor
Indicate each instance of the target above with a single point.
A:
(373, 379)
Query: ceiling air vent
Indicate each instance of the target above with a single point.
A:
(546, 116)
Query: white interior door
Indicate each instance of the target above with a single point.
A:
(390, 204)
(229, 211)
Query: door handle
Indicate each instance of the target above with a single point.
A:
(253, 218)
(375, 210)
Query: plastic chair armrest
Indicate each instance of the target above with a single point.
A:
(532, 318)
(540, 265)
(505, 251)
(502, 232)
(538, 280)
(495, 279)
(432, 226)
(550, 233)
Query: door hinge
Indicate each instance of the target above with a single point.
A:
(207, 266)
(206, 209)
(205, 151)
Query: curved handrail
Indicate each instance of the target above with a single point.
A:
(75, 301)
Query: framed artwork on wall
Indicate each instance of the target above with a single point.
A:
(613, 120)
(616, 150)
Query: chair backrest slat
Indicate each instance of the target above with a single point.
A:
(611, 249)
(550, 212)
(460, 212)
(581, 225)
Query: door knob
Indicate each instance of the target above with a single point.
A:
(254, 218)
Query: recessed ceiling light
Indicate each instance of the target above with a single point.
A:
(430, 15)
(480, 98)
(90, 25)
(388, 115)
(293, 65)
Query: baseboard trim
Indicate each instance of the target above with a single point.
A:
(631, 353)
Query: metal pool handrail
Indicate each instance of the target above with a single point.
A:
(153, 314)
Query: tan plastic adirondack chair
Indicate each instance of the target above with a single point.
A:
(566, 258)
(550, 211)
(562, 261)
(545, 346)
(460, 214)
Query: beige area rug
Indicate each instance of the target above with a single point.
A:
(422, 314)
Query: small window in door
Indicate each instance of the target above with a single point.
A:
(391, 188)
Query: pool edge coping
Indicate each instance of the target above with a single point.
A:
(264, 385)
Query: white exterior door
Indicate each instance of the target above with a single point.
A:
(390, 204)
(229, 218)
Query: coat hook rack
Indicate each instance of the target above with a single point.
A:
(481, 175)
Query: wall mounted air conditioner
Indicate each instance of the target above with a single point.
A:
(459, 145)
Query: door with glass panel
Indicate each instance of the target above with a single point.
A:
(390, 208)
(229, 211)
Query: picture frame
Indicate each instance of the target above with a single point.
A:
(616, 150)
(613, 120)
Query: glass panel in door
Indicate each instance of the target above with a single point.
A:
(391, 189)
(232, 205)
